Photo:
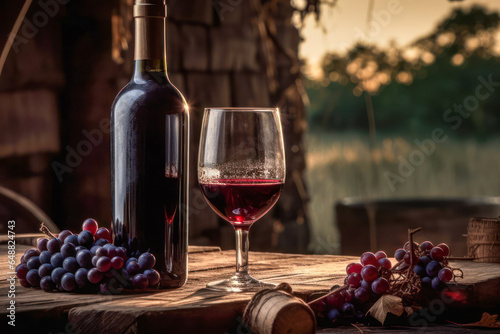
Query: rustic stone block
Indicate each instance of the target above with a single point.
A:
(195, 49)
(196, 11)
(234, 48)
(208, 90)
(29, 123)
(251, 90)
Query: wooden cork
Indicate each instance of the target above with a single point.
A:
(483, 239)
(277, 311)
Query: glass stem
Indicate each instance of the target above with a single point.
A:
(242, 246)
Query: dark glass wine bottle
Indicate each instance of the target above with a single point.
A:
(149, 154)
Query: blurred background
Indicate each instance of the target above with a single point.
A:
(390, 111)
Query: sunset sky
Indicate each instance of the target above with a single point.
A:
(346, 23)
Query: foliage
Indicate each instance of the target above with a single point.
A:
(413, 87)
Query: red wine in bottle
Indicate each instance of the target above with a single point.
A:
(149, 154)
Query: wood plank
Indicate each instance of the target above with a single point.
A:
(193, 307)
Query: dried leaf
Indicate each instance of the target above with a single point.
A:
(487, 320)
(384, 305)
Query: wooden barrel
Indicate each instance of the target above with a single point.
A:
(483, 239)
(275, 312)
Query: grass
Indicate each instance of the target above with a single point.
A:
(342, 165)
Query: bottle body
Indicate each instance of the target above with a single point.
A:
(149, 162)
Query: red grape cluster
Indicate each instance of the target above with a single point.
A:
(430, 263)
(85, 262)
(364, 281)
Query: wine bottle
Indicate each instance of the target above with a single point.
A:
(149, 154)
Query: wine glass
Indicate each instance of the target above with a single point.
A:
(241, 171)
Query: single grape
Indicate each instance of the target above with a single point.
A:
(81, 277)
(68, 282)
(64, 234)
(131, 259)
(366, 285)
(33, 277)
(122, 252)
(72, 239)
(68, 250)
(347, 294)
(101, 251)
(333, 314)
(399, 254)
(42, 244)
(334, 300)
(424, 260)
(362, 295)
(426, 246)
(133, 268)
(103, 233)
(354, 268)
(152, 275)
(426, 281)
(380, 285)
(80, 248)
(437, 254)
(71, 265)
(112, 252)
(407, 258)
(45, 257)
(30, 253)
(94, 249)
(146, 261)
(318, 307)
(57, 274)
(34, 262)
(140, 282)
(437, 284)
(433, 268)
(348, 309)
(117, 262)
(94, 275)
(101, 242)
(380, 255)
(47, 284)
(445, 275)
(54, 245)
(385, 263)
(45, 270)
(103, 264)
(84, 258)
(21, 271)
(57, 260)
(445, 248)
(90, 225)
(368, 258)
(23, 261)
(369, 273)
(94, 260)
(420, 270)
(108, 246)
(406, 246)
(24, 283)
(354, 280)
(86, 238)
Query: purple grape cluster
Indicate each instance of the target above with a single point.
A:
(431, 265)
(85, 262)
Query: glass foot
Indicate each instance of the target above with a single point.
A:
(239, 283)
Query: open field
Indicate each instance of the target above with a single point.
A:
(343, 165)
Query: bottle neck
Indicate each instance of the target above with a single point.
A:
(149, 52)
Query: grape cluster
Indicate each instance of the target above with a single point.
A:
(85, 262)
(429, 263)
(365, 281)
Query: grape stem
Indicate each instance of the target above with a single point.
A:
(45, 229)
(411, 232)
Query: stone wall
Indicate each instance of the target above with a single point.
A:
(220, 53)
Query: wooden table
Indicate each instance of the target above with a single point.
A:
(193, 309)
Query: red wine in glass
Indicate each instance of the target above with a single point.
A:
(242, 201)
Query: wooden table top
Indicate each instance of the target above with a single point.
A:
(194, 309)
